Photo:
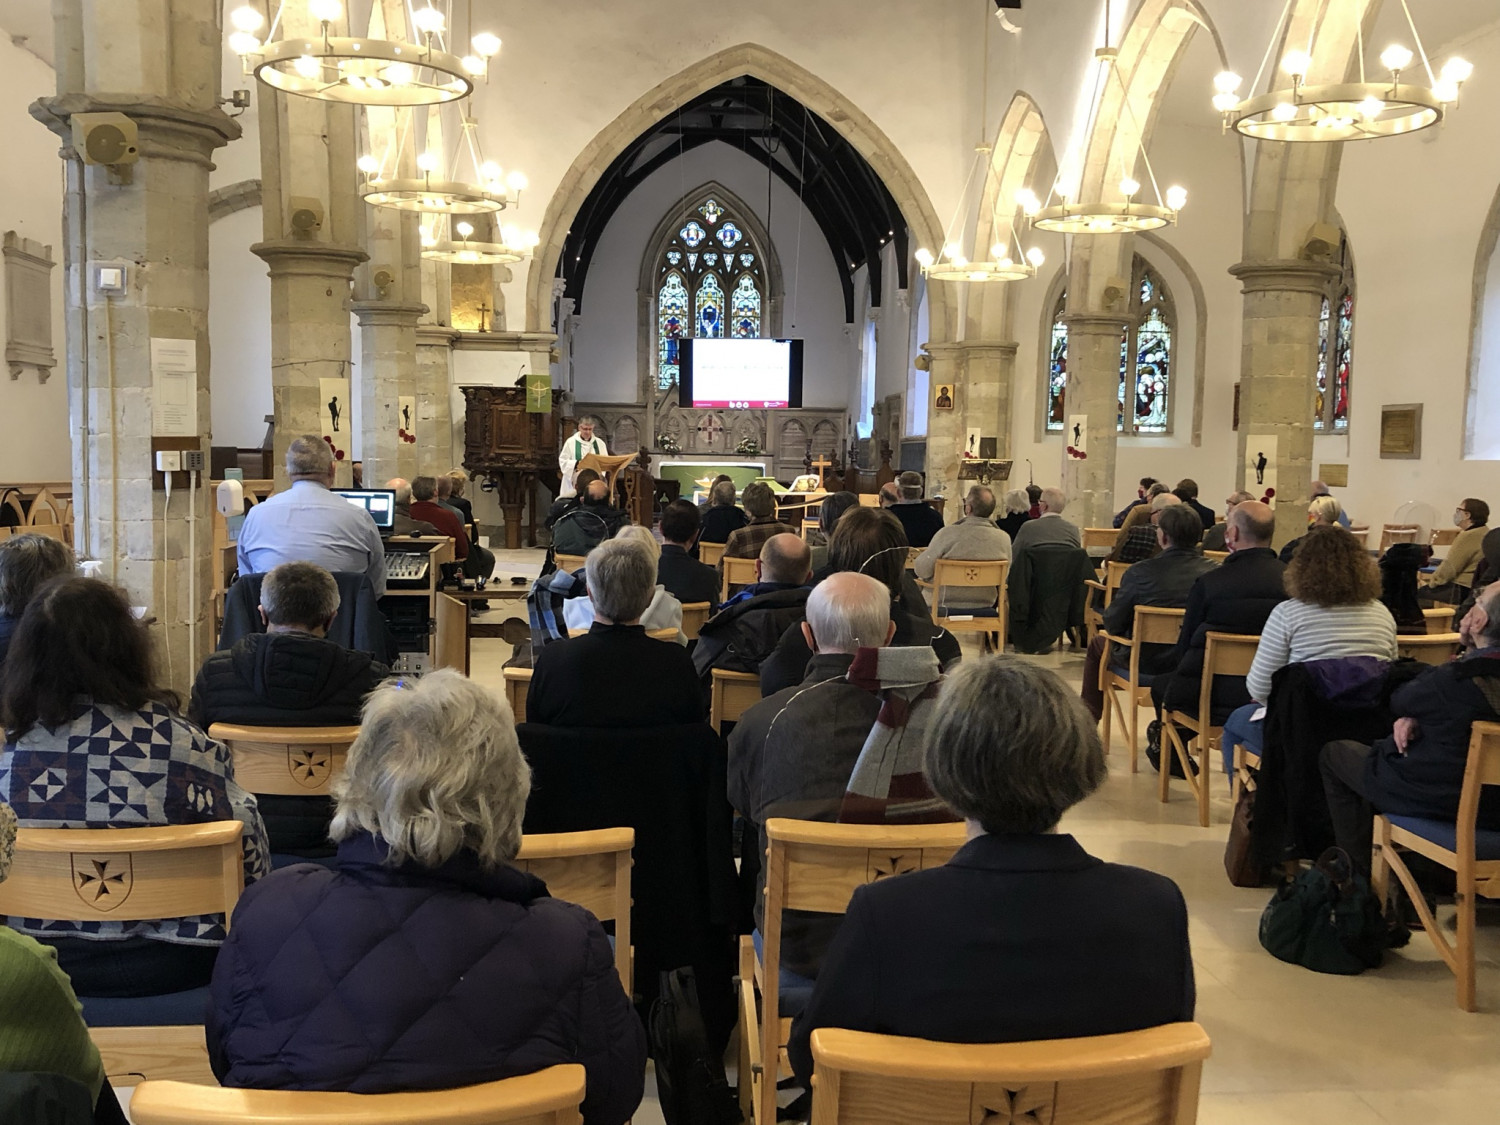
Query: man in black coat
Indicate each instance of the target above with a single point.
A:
(1235, 597)
(615, 675)
(1163, 581)
(747, 629)
(685, 578)
(289, 676)
(721, 518)
(918, 519)
(1419, 770)
(1187, 492)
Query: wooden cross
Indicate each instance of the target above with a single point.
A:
(483, 312)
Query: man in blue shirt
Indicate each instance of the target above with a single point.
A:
(308, 523)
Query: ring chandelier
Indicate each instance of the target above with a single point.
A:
(515, 245)
(486, 190)
(1345, 111)
(360, 71)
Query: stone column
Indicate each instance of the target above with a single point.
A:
(989, 370)
(150, 219)
(434, 391)
(309, 335)
(1094, 390)
(1278, 376)
(312, 230)
(945, 427)
(388, 351)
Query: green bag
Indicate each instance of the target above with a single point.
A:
(1326, 919)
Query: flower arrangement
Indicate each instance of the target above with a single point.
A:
(749, 446)
(667, 443)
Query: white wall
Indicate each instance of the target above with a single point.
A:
(605, 352)
(239, 331)
(36, 444)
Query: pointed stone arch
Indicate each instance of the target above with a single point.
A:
(760, 62)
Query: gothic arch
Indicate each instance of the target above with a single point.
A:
(1477, 402)
(659, 102)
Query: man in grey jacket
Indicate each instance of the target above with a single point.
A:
(1049, 527)
(975, 538)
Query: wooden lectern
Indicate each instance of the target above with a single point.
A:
(512, 449)
(607, 465)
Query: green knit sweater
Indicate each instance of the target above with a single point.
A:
(41, 1024)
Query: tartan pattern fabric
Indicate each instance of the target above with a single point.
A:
(887, 785)
(748, 540)
(113, 768)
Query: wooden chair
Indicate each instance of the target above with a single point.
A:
(731, 694)
(967, 574)
(667, 634)
(1361, 532)
(710, 553)
(548, 1097)
(286, 761)
(814, 866)
(1152, 625)
(46, 511)
(737, 572)
(1443, 537)
(570, 563)
(694, 614)
(128, 875)
(1471, 853)
(1440, 620)
(808, 527)
(869, 499)
(517, 684)
(1392, 533)
(1217, 556)
(1147, 1077)
(1093, 619)
(12, 499)
(1434, 648)
(591, 869)
(1099, 537)
(1224, 654)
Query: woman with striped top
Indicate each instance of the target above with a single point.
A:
(1333, 611)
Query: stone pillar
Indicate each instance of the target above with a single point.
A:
(434, 391)
(945, 427)
(309, 336)
(1094, 390)
(312, 231)
(388, 354)
(1278, 377)
(149, 218)
(989, 369)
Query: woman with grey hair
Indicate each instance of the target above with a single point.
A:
(1022, 935)
(664, 612)
(1017, 512)
(421, 959)
(27, 562)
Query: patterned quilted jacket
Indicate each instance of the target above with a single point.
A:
(370, 977)
(113, 768)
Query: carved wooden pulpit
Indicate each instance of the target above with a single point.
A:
(511, 449)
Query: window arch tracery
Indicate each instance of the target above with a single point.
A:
(1146, 358)
(709, 282)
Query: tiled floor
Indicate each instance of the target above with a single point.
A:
(1290, 1046)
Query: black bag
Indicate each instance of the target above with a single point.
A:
(1156, 740)
(690, 1080)
(1326, 919)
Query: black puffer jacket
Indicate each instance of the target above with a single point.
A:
(286, 680)
(740, 637)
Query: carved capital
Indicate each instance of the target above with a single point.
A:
(1291, 275)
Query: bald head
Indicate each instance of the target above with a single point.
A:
(401, 487)
(1250, 524)
(848, 611)
(785, 558)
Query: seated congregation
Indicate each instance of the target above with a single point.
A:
(466, 892)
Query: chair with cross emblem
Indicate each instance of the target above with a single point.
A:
(286, 761)
(814, 867)
(950, 574)
(130, 875)
(1146, 1077)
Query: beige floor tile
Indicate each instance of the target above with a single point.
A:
(1316, 1108)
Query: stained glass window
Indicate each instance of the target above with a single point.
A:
(744, 312)
(710, 308)
(1335, 352)
(1144, 396)
(709, 281)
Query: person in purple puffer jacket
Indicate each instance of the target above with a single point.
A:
(420, 959)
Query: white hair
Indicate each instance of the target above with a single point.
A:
(308, 456)
(621, 579)
(436, 768)
(1054, 499)
(849, 611)
(1016, 500)
(1162, 501)
(635, 533)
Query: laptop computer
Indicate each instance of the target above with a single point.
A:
(379, 502)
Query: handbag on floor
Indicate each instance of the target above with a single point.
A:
(1326, 919)
(690, 1081)
(1239, 857)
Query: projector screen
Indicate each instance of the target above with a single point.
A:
(740, 374)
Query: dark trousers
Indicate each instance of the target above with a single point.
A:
(478, 563)
(133, 966)
(1093, 698)
(1449, 593)
(1343, 767)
